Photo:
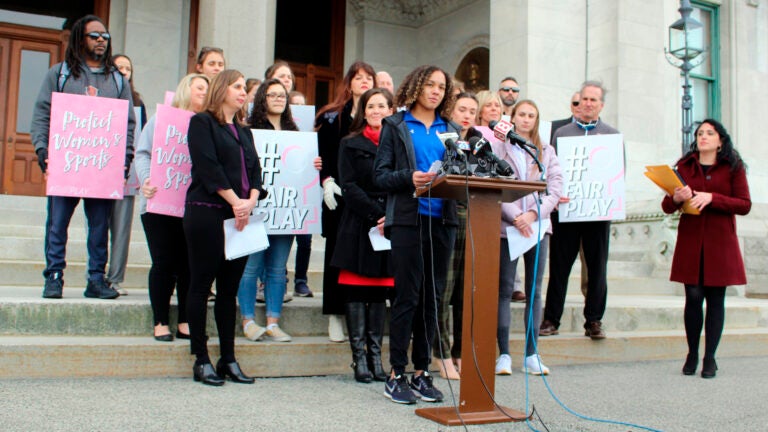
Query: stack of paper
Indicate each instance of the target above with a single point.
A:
(668, 179)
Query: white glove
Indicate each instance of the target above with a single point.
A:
(329, 189)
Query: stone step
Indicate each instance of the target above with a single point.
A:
(23, 312)
(142, 357)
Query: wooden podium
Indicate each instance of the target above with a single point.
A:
(481, 295)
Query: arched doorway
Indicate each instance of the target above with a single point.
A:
(473, 70)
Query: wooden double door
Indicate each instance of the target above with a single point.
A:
(26, 54)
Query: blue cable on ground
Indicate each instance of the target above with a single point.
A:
(529, 334)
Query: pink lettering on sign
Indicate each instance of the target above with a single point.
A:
(86, 146)
(171, 165)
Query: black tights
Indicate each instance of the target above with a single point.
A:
(694, 318)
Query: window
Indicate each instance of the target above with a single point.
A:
(705, 78)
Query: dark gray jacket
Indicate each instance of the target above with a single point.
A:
(393, 172)
(102, 80)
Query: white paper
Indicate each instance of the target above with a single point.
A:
(519, 245)
(593, 178)
(378, 241)
(545, 130)
(252, 238)
(294, 202)
(304, 117)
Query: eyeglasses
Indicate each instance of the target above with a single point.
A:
(277, 96)
(575, 103)
(97, 35)
(510, 89)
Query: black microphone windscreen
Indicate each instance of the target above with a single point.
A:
(472, 132)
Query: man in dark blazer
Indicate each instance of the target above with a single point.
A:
(557, 124)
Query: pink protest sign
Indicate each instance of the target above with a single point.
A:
(171, 164)
(169, 98)
(86, 146)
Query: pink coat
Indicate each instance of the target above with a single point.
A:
(709, 239)
(548, 158)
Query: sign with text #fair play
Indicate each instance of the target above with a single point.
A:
(295, 196)
(86, 146)
(593, 178)
(171, 166)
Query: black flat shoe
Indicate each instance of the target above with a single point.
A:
(233, 371)
(180, 335)
(691, 362)
(204, 373)
(709, 368)
(164, 338)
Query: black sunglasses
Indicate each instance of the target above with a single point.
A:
(575, 103)
(510, 89)
(97, 35)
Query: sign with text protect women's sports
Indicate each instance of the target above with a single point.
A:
(288, 174)
(171, 166)
(593, 178)
(86, 146)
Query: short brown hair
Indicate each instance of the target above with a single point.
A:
(217, 93)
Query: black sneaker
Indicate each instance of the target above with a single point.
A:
(301, 289)
(100, 289)
(422, 387)
(54, 285)
(397, 389)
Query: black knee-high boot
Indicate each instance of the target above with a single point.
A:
(377, 312)
(356, 329)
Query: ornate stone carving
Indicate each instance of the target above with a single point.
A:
(412, 13)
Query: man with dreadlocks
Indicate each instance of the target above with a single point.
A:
(87, 70)
(422, 230)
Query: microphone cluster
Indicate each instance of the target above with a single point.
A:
(474, 157)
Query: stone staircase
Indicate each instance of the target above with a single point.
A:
(83, 337)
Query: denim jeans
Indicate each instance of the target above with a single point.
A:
(270, 262)
(60, 210)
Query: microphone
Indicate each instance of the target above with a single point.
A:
(482, 149)
(504, 130)
(449, 142)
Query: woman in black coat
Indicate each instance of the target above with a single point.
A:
(226, 184)
(364, 273)
(332, 124)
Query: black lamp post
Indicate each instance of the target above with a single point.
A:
(686, 42)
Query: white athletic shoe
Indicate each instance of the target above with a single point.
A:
(504, 365)
(534, 366)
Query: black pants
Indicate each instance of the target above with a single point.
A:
(203, 228)
(170, 265)
(334, 296)
(420, 257)
(695, 319)
(563, 250)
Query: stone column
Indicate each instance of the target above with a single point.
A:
(245, 29)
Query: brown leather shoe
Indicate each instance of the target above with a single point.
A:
(548, 329)
(518, 297)
(594, 330)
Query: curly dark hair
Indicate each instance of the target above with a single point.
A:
(259, 120)
(75, 54)
(727, 153)
(413, 84)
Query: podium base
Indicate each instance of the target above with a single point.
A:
(448, 416)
